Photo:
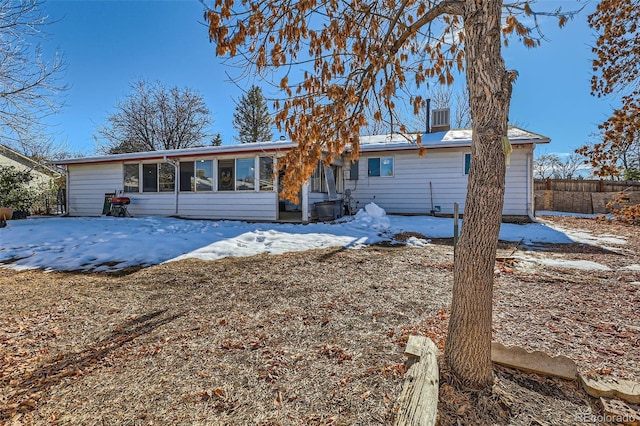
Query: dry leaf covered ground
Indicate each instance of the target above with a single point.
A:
(301, 338)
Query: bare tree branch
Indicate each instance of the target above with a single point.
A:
(155, 118)
(29, 83)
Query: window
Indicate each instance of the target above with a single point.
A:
(204, 175)
(226, 175)
(131, 178)
(196, 176)
(467, 163)
(380, 166)
(187, 176)
(245, 174)
(266, 174)
(167, 181)
(150, 178)
(319, 178)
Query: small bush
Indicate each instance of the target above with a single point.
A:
(15, 191)
(624, 210)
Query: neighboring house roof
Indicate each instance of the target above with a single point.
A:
(446, 139)
(27, 162)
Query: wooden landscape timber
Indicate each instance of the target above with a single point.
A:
(418, 402)
(535, 362)
(419, 398)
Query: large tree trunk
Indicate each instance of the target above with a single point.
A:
(468, 349)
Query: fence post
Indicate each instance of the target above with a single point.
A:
(455, 228)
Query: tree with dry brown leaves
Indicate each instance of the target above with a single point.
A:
(616, 71)
(341, 62)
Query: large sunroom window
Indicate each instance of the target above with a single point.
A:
(150, 178)
(245, 174)
(166, 177)
(204, 175)
(226, 175)
(131, 178)
(196, 175)
(187, 176)
(266, 174)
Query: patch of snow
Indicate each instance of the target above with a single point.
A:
(586, 237)
(559, 262)
(585, 265)
(417, 242)
(375, 211)
(567, 214)
(597, 240)
(634, 267)
(111, 244)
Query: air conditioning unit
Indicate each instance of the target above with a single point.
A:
(440, 118)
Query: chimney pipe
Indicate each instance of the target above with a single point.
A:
(428, 123)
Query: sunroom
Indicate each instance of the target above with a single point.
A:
(233, 182)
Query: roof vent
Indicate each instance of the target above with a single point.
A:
(440, 120)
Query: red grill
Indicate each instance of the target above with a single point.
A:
(119, 206)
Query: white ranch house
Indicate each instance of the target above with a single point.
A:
(237, 182)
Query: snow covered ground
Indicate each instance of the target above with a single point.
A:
(110, 244)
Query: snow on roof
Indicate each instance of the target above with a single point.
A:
(515, 134)
(444, 139)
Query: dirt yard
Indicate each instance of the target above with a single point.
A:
(312, 338)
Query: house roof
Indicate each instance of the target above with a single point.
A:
(266, 147)
(455, 138)
(389, 142)
(7, 152)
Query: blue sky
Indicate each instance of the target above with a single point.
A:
(110, 44)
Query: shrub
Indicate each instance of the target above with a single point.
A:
(624, 210)
(15, 191)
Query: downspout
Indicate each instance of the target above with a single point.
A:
(66, 190)
(305, 202)
(530, 192)
(176, 181)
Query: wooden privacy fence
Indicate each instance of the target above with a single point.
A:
(584, 185)
(581, 195)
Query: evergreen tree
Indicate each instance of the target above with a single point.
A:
(252, 119)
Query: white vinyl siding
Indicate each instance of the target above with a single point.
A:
(518, 184)
(87, 185)
(249, 205)
(409, 191)
(207, 205)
